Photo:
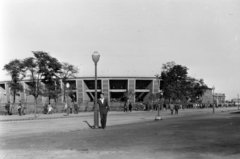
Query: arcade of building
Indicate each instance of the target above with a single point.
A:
(113, 88)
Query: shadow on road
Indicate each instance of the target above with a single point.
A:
(91, 126)
(236, 112)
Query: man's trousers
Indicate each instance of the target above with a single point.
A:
(103, 120)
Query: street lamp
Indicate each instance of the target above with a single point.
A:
(67, 85)
(158, 117)
(213, 88)
(95, 58)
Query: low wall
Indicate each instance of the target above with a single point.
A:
(59, 107)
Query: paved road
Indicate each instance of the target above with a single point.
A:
(15, 129)
(193, 134)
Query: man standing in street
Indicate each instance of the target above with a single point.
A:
(103, 108)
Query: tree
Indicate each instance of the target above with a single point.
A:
(178, 86)
(153, 98)
(194, 89)
(38, 68)
(52, 87)
(15, 70)
(174, 79)
(67, 71)
(128, 95)
(52, 92)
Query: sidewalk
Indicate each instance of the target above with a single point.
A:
(6, 118)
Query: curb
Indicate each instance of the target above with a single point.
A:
(32, 118)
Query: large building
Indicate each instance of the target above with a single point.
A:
(236, 101)
(113, 87)
(84, 88)
(208, 97)
(219, 98)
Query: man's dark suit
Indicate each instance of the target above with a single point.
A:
(103, 109)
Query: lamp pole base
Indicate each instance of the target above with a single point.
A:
(158, 118)
(95, 127)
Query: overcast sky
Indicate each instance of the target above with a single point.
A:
(133, 37)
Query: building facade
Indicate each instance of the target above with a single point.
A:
(84, 89)
(209, 98)
(219, 98)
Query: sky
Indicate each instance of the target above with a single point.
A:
(133, 37)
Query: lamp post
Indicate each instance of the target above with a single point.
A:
(95, 58)
(158, 117)
(67, 85)
(213, 88)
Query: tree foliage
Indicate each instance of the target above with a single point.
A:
(15, 70)
(67, 71)
(177, 85)
(41, 68)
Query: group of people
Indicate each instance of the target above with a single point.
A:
(173, 107)
(72, 108)
(20, 108)
(47, 108)
(129, 107)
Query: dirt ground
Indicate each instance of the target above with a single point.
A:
(187, 137)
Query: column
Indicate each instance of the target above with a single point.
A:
(79, 91)
(131, 87)
(7, 92)
(155, 85)
(105, 88)
(23, 94)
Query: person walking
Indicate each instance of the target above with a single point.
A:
(125, 107)
(19, 108)
(23, 108)
(171, 108)
(7, 107)
(103, 108)
(176, 107)
(130, 107)
(50, 108)
(45, 108)
(71, 107)
(75, 106)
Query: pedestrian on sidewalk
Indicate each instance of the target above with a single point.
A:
(130, 107)
(23, 108)
(164, 107)
(176, 107)
(71, 107)
(171, 108)
(7, 107)
(50, 108)
(45, 108)
(125, 107)
(66, 109)
(19, 108)
(103, 109)
(75, 105)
